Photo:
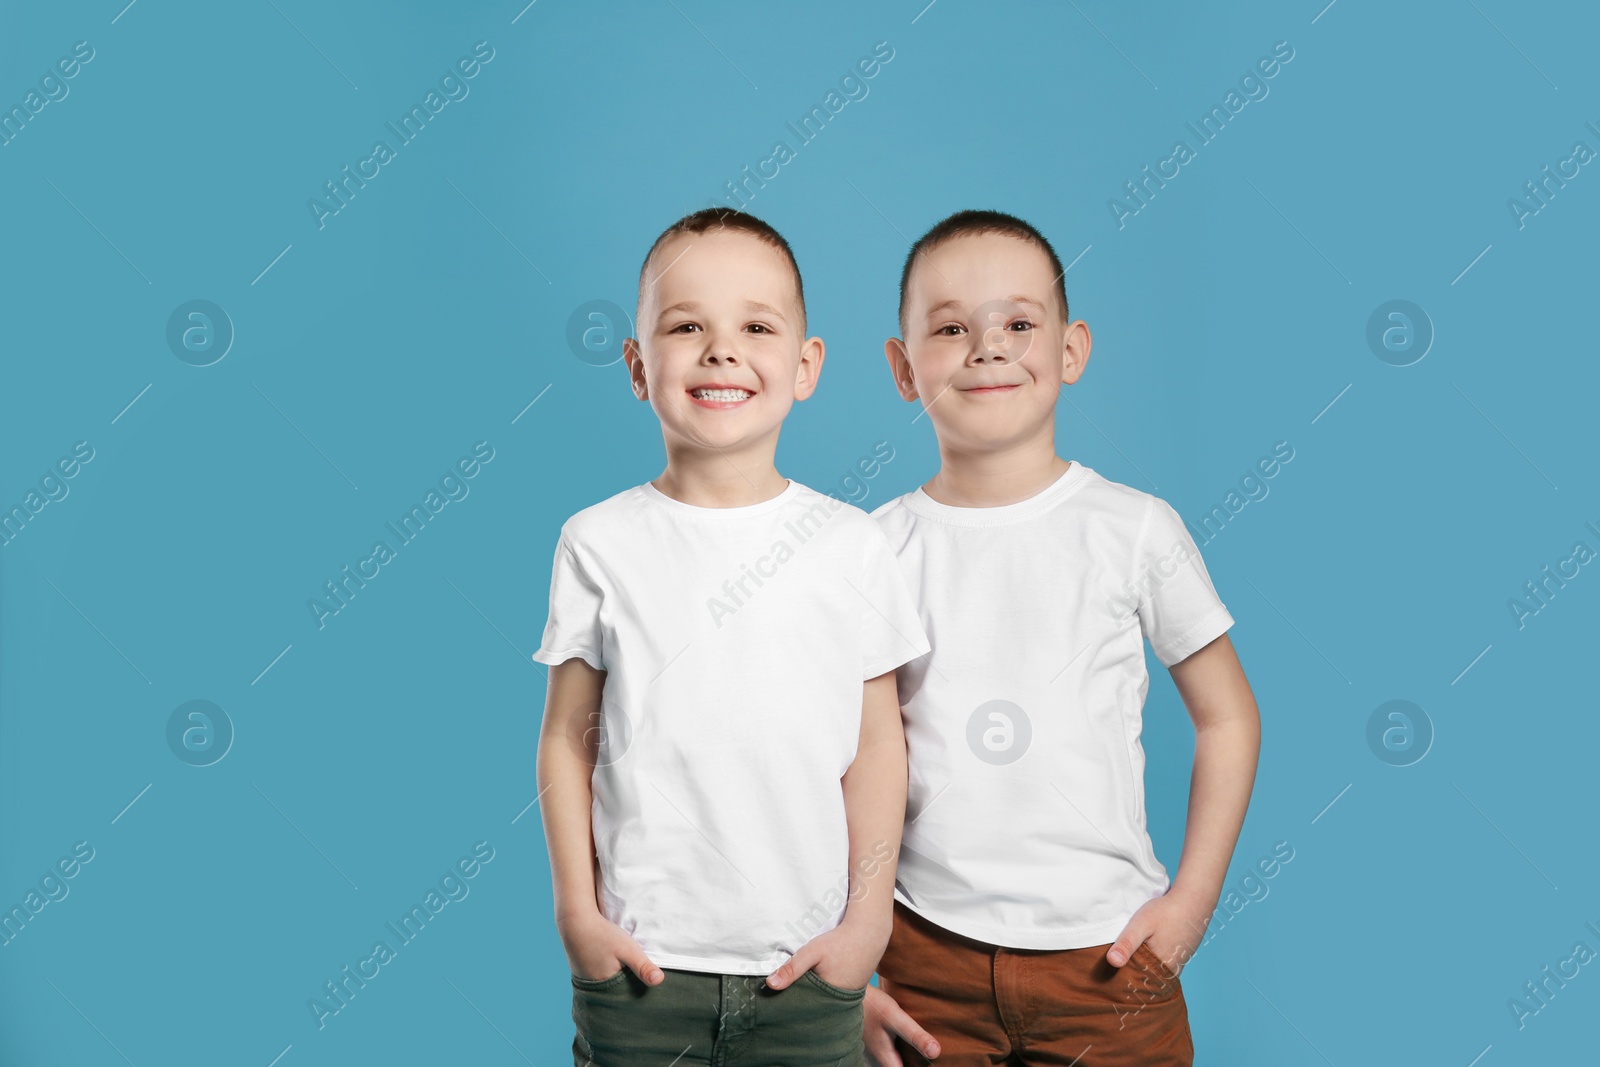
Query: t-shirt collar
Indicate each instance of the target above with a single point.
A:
(661, 499)
(920, 503)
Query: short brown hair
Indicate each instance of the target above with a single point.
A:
(727, 218)
(974, 224)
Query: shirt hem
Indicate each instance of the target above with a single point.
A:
(1054, 940)
(555, 659)
(714, 966)
(1198, 636)
(896, 660)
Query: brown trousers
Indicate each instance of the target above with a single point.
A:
(995, 1006)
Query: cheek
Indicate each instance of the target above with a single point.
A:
(942, 356)
(936, 358)
(1042, 362)
(672, 361)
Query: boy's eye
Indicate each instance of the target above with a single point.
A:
(684, 327)
(757, 327)
(1020, 325)
(949, 329)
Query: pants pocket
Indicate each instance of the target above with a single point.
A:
(813, 1023)
(620, 1021)
(596, 985)
(841, 992)
(1156, 981)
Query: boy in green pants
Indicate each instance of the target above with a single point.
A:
(1033, 923)
(721, 765)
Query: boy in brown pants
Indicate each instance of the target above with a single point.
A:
(1033, 923)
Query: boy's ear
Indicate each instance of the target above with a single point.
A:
(894, 350)
(635, 360)
(810, 369)
(1075, 345)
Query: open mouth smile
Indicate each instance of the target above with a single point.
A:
(719, 397)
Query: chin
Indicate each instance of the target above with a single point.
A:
(987, 437)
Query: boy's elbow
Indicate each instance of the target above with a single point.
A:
(1238, 716)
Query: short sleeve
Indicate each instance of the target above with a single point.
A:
(573, 629)
(891, 629)
(1179, 610)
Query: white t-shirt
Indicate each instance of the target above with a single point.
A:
(735, 641)
(1025, 822)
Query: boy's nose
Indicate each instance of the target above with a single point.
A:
(993, 346)
(720, 348)
(991, 340)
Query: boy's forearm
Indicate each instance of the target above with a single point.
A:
(1219, 794)
(564, 805)
(1227, 743)
(875, 804)
(565, 793)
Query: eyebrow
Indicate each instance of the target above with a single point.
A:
(756, 305)
(750, 305)
(947, 305)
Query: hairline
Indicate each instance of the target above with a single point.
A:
(1004, 226)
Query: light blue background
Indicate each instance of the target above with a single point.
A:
(432, 310)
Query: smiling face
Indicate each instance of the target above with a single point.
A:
(987, 345)
(722, 353)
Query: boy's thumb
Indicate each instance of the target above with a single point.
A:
(793, 968)
(640, 964)
(1121, 950)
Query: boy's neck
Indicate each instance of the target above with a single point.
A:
(721, 480)
(994, 479)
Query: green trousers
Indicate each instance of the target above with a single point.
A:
(715, 1020)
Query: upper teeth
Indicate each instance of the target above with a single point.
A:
(721, 394)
